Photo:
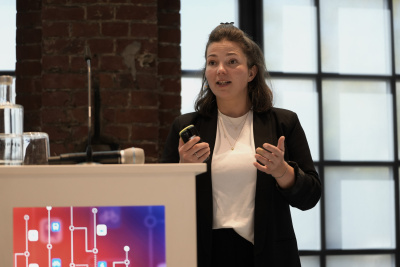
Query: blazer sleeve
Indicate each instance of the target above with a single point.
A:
(306, 191)
(170, 153)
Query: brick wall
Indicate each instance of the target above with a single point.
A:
(135, 48)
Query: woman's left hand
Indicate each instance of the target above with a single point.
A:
(272, 159)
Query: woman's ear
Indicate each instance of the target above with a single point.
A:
(252, 73)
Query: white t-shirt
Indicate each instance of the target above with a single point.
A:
(234, 176)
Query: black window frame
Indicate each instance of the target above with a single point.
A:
(251, 21)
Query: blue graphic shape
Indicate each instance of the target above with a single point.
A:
(55, 226)
(102, 264)
(56, 262)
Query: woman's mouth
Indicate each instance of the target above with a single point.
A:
(223, 82)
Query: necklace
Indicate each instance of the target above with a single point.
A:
(225, 134)
(234, 125)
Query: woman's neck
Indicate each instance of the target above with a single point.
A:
(234, 110)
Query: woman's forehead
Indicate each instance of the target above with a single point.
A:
(224, 47)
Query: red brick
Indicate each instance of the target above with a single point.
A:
(169, 68)
(171, 85)
(170, 102)
(169, 5)
(169, 19)
(108, 114)
(63, 46)
(28, 52)
(55, 29)
(56, 133)
(105, 12)
(144, 133)
(106, 80)
(144, 99)
(120, 132)
(169, 35)
(169, 51)
(112, 63)
(167, 117)
(85, 29)
(79, 64)
(136, 115)
(30, 19)
(80, 98)
(28, 5)
(55, 99)
(30, 68)
(28, 36)
(30, 101)
(101, 46)
(55, 115)
(118, 98)
(32, 121)
(80, 115)
(115, 29)
(67, 13)
(55, 2)
(79, 2)
(79, 132)
(141, 13)
(28, 85)
(62, 81)
(55, 63)
(147, 81)
(121, 44)
(144, 30)
(125, 81)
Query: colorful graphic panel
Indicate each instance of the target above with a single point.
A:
(89, 236)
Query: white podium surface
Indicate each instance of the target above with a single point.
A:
(169, 185)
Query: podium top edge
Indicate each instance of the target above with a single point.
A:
(196, 168)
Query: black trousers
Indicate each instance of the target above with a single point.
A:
(231, 249)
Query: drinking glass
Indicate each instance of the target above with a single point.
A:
(36, 148)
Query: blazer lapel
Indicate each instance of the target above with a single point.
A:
(264, 128)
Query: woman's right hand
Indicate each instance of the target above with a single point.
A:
(193, 152)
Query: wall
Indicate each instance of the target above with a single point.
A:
(135, 48)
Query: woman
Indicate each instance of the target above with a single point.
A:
(259, 160)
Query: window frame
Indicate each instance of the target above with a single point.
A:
(251, 21)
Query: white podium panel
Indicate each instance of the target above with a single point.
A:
(169, 185)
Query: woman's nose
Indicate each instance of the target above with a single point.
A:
(221, 69)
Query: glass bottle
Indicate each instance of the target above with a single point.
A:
(11, 124)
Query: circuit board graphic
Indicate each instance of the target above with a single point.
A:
(109, 236)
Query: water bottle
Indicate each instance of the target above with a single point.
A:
(11, 124)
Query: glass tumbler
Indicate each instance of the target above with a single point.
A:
(36, 149)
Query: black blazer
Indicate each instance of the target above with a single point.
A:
(274, 238)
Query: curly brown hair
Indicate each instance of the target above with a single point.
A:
(260, 94)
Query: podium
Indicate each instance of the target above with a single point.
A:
(168, 185)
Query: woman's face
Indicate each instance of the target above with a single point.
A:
(227, 72)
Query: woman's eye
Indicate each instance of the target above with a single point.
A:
(211, 63)
(232, 61)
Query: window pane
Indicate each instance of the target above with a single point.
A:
(396, 23)
(355, 37)
(190, 89)
(307, 226)
(309, 261)
(198, 19)
(398, 116)
(357, 120)
(300, 96)
(290, 42)
(7, 32)
(360, 211)
(361, 261)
